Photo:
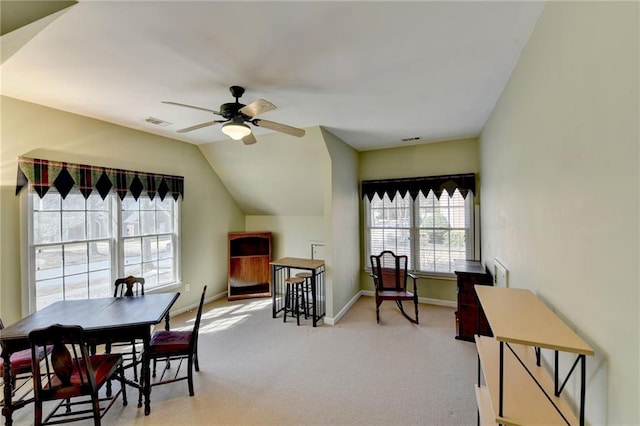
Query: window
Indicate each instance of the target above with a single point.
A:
(78, 246)
(147, 235)
(432, 232)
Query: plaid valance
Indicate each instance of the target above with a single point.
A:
(43, 174)
(464, 183)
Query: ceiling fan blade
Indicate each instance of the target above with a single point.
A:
(278, 127)
(257, 107)
(249, 139)
(191, 106)
(200, 126)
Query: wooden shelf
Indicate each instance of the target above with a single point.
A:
(521, 322)
(518, 316)
(485, 408)
(524, 403)
(249, 273)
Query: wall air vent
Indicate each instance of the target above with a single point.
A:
(157, 121)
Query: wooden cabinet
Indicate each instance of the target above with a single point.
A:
(249, 273)
(518, 389)
(470, 320)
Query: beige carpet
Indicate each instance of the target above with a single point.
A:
(255, 370)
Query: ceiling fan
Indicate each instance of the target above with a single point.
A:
(236, 115)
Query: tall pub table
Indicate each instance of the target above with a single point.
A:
(281, 269)
(111, 319)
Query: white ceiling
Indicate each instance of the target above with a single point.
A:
(370, 72)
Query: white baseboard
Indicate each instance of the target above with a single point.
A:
(343, 311)
(370, 293)
(327, 320)
(195, 305)
(425, 300)
(438, 302)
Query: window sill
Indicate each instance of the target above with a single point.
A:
(165, 288)
(427, 275)
(435, 276)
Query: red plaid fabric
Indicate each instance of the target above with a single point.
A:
(43, 174)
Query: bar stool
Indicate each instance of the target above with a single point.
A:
(292, 298)
(307, 290)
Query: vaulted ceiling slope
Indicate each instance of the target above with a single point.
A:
(280, 175)
(24, 19)
(372, 73)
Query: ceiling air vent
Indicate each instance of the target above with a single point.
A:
(157, 121)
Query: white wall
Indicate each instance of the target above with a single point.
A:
(560, 188)
(208, 211)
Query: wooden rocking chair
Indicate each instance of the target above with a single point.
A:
(390, 274)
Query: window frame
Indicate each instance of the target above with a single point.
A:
(28, 246)
(472, 245)
(175, 238)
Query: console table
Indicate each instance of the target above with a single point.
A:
(518, 390)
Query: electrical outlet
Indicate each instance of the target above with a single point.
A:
(500, 274)
(187, 287)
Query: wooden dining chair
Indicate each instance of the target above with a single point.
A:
(390, 275)
(72, 376)
(21, 373)
(168, 345)
(128, 287)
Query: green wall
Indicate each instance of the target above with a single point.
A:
(341, 225)
(431, 159)
(208, 211)
(561, 189)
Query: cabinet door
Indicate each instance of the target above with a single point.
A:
(466, 317)
(466, 293)
(468, 323)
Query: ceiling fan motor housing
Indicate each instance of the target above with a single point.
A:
(231, 110)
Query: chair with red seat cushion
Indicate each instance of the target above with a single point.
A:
(176, 345)
(128, 287)
(20, 369)
(20, 363)
(70, 375)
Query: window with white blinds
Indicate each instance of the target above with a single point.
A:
(432, 231)
(78, 246)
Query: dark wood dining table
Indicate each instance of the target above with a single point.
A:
(111, 319)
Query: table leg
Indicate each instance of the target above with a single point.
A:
(146, 365)
(273, 291)
(145, 378)
(7, 409)
(313, 296)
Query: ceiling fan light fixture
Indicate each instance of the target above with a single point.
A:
(236, 130)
